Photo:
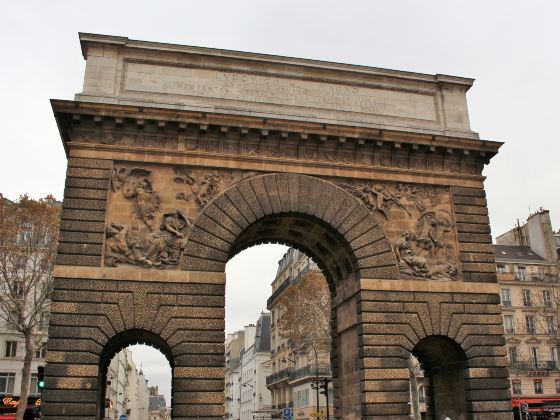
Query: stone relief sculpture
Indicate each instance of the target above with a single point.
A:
(376, 197)
(161, 247)
(148, 235)
(201, 192)
(136, 184)
(418, 221)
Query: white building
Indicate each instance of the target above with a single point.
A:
(12, 352)
(234, 344)
(255, 367)
(127, 390)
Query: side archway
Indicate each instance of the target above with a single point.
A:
(120, 342)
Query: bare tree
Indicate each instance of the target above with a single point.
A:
(28, 238)
(547, 314)
(305, 314)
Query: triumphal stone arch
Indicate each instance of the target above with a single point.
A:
(180, 157)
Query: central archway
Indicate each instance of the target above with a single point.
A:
(339, 233)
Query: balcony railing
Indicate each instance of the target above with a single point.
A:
(310, 371)
(506, 302)
(510, 330)
(281, 375)
(538, 365)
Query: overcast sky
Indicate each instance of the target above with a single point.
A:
(511, 48)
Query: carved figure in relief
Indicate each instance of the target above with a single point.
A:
(159, 248)
(201, 193)
(166, 244)
(136, 184)
(376, 197)
(432, 232)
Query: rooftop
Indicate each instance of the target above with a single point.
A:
(516, 253)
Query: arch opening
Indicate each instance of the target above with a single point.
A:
(306, 233)
(271, 354)
(122, 384)
(444, 362)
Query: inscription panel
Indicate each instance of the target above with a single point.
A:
(185, 82)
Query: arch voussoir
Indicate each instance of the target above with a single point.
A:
(261, 194)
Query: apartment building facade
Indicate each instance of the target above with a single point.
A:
(292, 372)
(527, 271)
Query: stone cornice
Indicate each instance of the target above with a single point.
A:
(87, 39)
(483, 149)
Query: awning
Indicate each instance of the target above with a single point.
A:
(516, 402)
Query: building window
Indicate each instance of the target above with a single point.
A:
(508, 324)
(554, 357)
(516, 387)
(521, 274)
(500, 268)
(534, 352)
(538, 386)
(512, 355)
(14, 320)
(557, 382)
(506, 297)
(547, 301)
(33, 389)
(41, 353)
(526, 297)
(11, 348)
(551, 325)
(530, 323)
(7, 381)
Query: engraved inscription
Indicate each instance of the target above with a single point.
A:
(196, 82)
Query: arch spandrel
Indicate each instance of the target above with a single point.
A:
(267, 199)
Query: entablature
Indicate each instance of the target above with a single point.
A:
(244, 140)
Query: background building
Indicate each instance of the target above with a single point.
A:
(127, 391)
(234, 344)
(255, 367)
(527, 270)
(158, 407)
(292, 373)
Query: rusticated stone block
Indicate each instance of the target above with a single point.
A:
(74, 162)
(389, 272)
(199, 372)
(251, 199)
(84, 260)
(73, 370)
(472, 218)
(381, 260)
(199, 397)
(83, 203)
(85, 193)
(198, 411)
(86, 215)
(471, 210)
(472, 228)
(200, 264)
(474, 237)
(469, 201)
(75, 226)
(193, 385)
(480, 277)
(387, 411)
(88, 173)
(386, 386)
(84, 249)
(70, 410)
(469, 192)
(76, 396)
(81, 237)
(475, 247)
(100, 184)
(476, 257)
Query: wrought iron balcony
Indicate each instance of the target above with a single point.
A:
(309, 371)
(279, 376)
(536, 365)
